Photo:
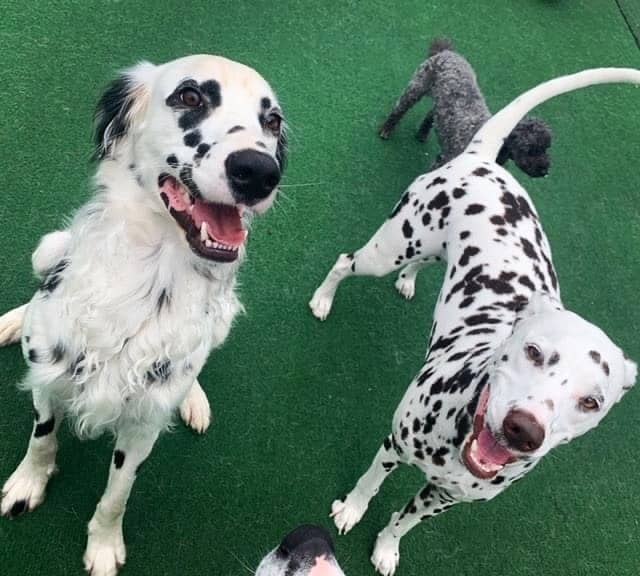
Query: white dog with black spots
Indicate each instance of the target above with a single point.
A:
(140, 287)
(509, 373)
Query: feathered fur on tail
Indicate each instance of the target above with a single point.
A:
(490, 138)
(440, 45)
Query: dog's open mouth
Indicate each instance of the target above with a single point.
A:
(213, 231)
(483, 455)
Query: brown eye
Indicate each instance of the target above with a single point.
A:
(589, 404)
(274, 123)
(190, 97)
(534, 354)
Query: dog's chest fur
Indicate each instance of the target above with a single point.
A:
(497, 255)
(128, 317)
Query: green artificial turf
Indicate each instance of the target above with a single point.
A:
(300, 407)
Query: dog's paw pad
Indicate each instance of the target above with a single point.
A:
(386, 554)
(346, 514)
(195, 410)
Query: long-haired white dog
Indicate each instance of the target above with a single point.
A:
(140, 287)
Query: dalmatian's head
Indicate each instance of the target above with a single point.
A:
(553, 379)
(307, 551)
(205, 139)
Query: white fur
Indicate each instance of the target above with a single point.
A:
(133, 294)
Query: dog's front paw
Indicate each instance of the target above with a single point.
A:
(25, 488)
(105, 552)
(406, 285)
(348, 512)
(11, 325)
(195, 411)
(386, 553)
(321, 304)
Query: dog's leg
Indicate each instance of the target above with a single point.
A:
(406, 282)
(429, 502)
(425, 127)
(194, 410)
(416, 89)
(346, 513)
(25, 488)
(105, 546)
(404, 238)
(11, 325)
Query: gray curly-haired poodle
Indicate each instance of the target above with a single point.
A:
(459, 110)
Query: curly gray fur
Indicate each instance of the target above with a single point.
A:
(459, 110)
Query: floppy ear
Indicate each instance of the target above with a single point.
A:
(122, 103)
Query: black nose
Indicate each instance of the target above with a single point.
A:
(522, 431)
(307, 542)
(253, 175)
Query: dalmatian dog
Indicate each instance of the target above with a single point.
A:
(306, 551)
(509, 373)
(140, 287)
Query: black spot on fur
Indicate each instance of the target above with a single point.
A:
(605, 367)
(33, 355)
(554, 359)
(118, 458)
(172, 160)
(426, 218)
(439, 201)
(407, 229)
(438, 457)
(44, 428)
(54, 276)
(481, 171)
(202, 150)
(458, 193)
(163, 300)
(474, 209)
(595, 356)
(192, 139)
(469, 252)
(525, 281)
(265, 103)
(57, 352)
(235, 129)
(18, 508)
(159, 372)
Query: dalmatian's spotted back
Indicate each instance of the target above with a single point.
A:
(509, 373)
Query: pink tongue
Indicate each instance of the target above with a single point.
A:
(489, 451)
(223, 222)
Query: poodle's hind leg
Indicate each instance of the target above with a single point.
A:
(425, 127)
(416, 89)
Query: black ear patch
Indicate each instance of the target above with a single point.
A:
(112, 115)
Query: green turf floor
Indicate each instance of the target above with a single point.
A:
(300, 406)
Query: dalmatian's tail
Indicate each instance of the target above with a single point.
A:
(489, 139)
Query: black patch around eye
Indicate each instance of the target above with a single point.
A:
(212, 90)
(190, 118)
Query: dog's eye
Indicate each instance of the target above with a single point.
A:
(589, 404)
(273, 123)
(190, 97)
(534, 354)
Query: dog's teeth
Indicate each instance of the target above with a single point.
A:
(208, 243)
(203, 232)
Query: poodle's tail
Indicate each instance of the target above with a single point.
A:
(489, 139)
(440, 45)
(11, 325)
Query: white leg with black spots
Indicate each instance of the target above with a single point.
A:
(348, 512)
(195, 410)
(105, 551)
(25, 488)
(429, 502)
